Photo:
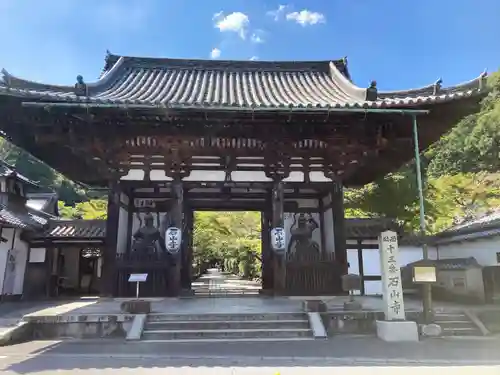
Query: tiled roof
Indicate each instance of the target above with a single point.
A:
(7, 170)
(484, 226)
(251, 85)
(492, 219)
(448, 264)
(43, 202)
(23, 220)
(75, 229)
(369, 227)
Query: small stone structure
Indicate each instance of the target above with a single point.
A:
(136, 306)
(351, 283)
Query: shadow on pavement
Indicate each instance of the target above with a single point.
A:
(340, 351)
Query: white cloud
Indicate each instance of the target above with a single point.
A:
(257, 37)
(277, 13)
(254, 58)
(215, 54)
(306, 17)
(236, 22)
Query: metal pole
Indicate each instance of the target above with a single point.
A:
(137, 290)
(426, 288)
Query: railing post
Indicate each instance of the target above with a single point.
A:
(109, 284)
(427, 291)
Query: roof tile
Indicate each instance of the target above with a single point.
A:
(176, 83)
(23, 220)
(71, 229)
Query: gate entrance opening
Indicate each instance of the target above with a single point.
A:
(227, 253)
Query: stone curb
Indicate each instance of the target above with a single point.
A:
(315, 361)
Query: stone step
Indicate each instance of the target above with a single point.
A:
(461, 331)
(226, 317)
(224, 325)
(226, 294)
(226, 334)
(443, 317)
(249, 339)
(456, 324)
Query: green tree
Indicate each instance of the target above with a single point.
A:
(92, 209)
(41, 173)
(473, 145)
(231, 238)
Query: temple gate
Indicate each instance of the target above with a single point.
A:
(169, 136)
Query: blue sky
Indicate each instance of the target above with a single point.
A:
(400, 43)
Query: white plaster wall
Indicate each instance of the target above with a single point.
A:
(7, 233)
(121, 241)
(21, 260)
(483, 250)
(371, 263)
(12, 280)
(328, 224)
(124, 199)
(307, 203)
(328, 228)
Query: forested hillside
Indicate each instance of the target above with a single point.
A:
(461, 175)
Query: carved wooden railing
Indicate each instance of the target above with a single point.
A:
(156, 265)
(313, 274)
(141, 260)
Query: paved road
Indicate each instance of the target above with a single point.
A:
(344, 355)
(217, 282)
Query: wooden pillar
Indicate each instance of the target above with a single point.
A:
(177, 211)
(109, 276)
(339, 229)
(187, 249)
(321, 207)
(130, 221)
(267, 252)
(361, 266)
(277, 201)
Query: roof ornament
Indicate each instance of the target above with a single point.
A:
(437, 86)
(372, 92)
(80, 87)
(6, 78)
(482, 79)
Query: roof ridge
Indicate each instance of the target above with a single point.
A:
(112, 59)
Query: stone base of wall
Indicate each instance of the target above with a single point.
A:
(357, 322)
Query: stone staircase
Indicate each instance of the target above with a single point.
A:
(456, 324)
(227, 327)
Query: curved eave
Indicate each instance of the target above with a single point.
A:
(312, 86)
(49, 99)
(13, 82)
(429, 90)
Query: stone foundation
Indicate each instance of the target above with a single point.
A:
(80, 326)
(136, 307)
(357, 322)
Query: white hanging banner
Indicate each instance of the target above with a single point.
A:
(391, 276)
(173, 239)
(278, 239)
